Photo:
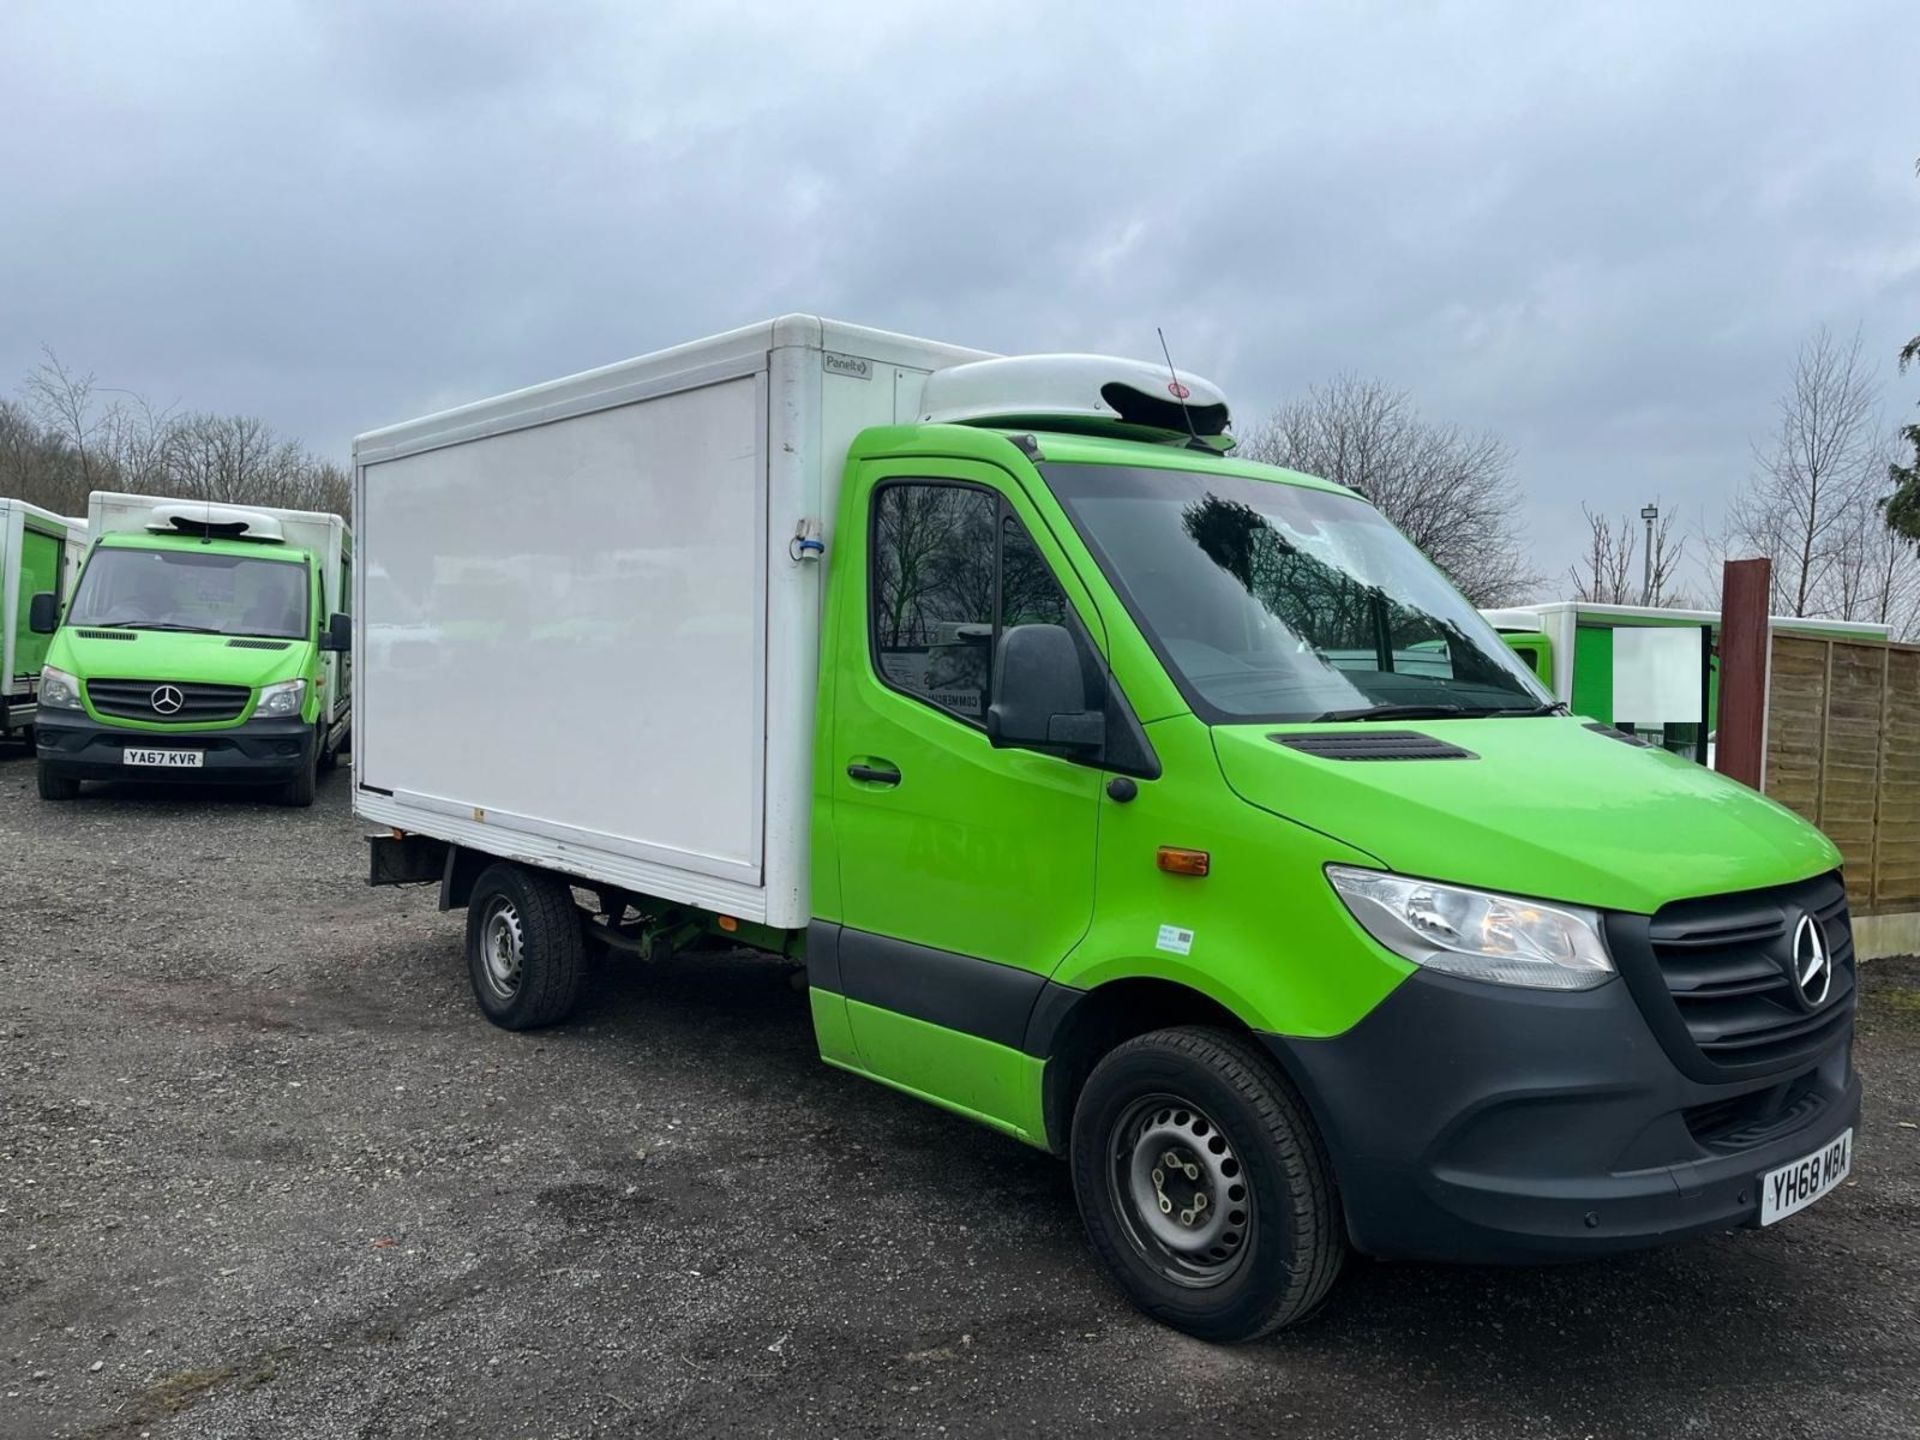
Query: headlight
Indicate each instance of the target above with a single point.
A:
(286, 698)
(59, 690)
(1476, 934)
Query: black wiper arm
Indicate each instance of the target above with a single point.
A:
(1392, 712)
(160, 625)
(1551, 708)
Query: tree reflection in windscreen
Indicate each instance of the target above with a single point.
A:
(1275, 601)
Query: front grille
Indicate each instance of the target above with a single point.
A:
(198, 704)
(1715, 977)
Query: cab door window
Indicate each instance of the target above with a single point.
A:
(952, 568)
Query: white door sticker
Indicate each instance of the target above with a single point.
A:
(1174, 940)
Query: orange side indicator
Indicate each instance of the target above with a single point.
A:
(727, 923)
(1176, 861)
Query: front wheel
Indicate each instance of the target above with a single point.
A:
(526, 954)
(55, 787)
(299, 791)
(1204, 1186)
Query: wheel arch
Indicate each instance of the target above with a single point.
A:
(1072, 1029)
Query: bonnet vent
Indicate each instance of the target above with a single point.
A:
(1372, 745)
(106, 635)
(1621, 735)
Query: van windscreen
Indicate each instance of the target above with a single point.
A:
(1269, 602)
(206, 591)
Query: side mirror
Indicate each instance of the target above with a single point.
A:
(1040, 699)
(338, 635)
(43, 613)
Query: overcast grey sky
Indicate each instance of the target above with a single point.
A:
(1599, 229)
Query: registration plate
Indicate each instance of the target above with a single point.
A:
(1796, 1186)
(165, 759)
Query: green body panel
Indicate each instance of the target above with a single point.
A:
(39, 573)
(832, 1028)
(1549, 809)
(1593, 673)
(990, 1083)
(208, 659)
(984, 852)
(1267, 939)
(1024, 859)
(1537, 651)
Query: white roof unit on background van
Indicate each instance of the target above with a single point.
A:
(326, 535)
(192, 517)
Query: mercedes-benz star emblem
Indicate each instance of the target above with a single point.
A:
(1812, 965)
(167, 699)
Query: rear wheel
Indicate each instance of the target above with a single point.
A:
(1204, 1185)
(56, 787)
(526, 953)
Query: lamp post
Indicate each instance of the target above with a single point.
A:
(1648, 513)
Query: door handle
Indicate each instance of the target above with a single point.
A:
(881, 772)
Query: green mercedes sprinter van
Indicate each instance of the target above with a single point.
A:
(1161, 809)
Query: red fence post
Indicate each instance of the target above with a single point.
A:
(1741, 749)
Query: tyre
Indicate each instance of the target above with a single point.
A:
(56, 787)
(328, 758)
(526, 954)
(299, 791)
(1204, 1185)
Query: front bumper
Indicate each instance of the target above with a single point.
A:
(1470, 1122)
(256, 752)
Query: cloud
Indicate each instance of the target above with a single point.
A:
(1600, 230)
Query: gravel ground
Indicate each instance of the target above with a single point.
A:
(265, 1171)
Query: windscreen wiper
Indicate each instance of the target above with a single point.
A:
(1393, 712)
(160, 625)
(1551, 708)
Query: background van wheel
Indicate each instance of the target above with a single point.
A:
(526, 953)
(56, 787)
(299, 791)
(1204, 1185)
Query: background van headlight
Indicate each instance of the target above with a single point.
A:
(58, 689)
(286, 698)
(1476, 934)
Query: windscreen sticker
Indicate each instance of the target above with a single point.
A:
(1174, 940)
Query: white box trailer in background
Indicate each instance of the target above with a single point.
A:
(39, 551)
(627, 653)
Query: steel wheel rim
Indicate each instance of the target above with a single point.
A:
(1180, 1190)
(502, 948)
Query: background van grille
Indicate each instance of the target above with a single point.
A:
(199, 704)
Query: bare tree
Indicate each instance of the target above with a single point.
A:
(1611, 572)
(1876, 574)
(1821, 465)
(1604, 573)
(63, 402)
(72, 436)
(1453, 492)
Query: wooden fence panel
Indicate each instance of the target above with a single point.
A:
(1843, 750)
(1896, 883)
(1796, 717)
(1850, 759)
